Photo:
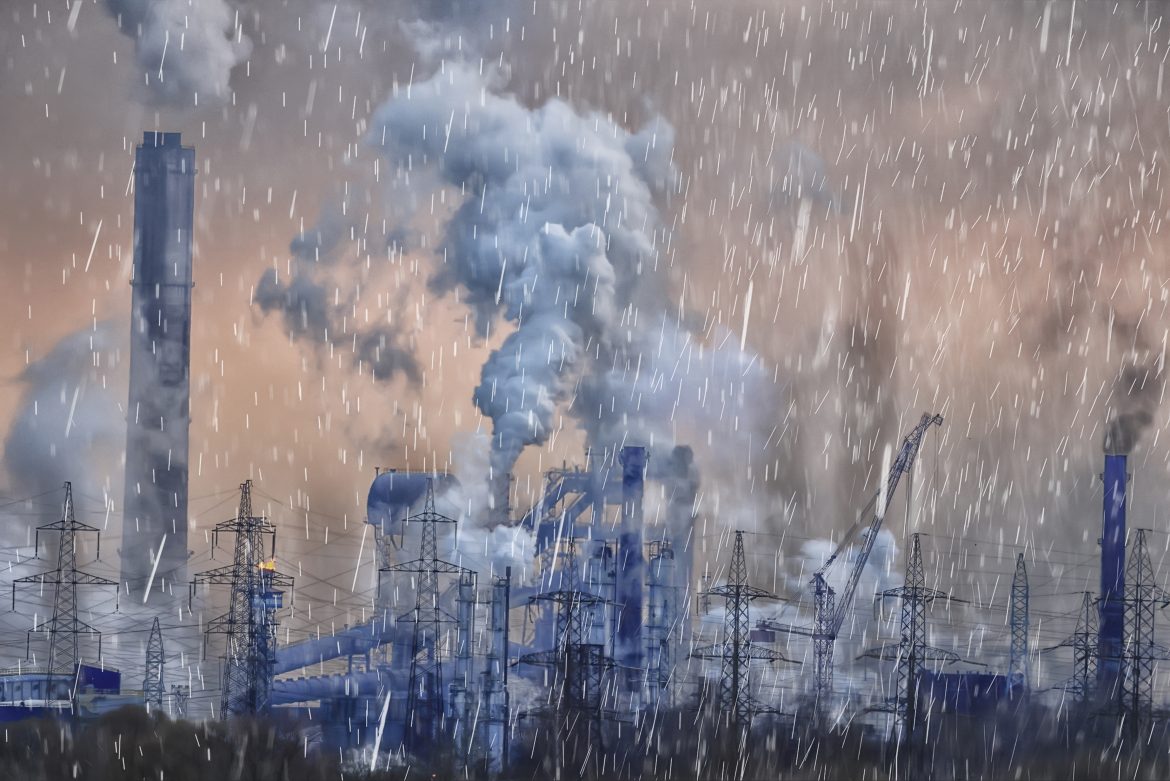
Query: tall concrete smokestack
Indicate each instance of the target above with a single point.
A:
(158, 414)
(1112, 605)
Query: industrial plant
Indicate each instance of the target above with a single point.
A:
(598, 648)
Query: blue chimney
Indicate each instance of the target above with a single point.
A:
(1110, 636)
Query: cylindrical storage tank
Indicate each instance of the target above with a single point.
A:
(599, 581)
(661, 618)
(394, 494)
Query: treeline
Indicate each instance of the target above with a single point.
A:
(129, 744)
(1030, 743)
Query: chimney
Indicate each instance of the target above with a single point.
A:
(630, 568)
(1110, 637)
(158, 413)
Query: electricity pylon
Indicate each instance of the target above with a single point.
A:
(736, 651)
(1083, 641)
(425, 698)
(153, 686)
(1018, 663)
(64, 627)
(250, 623)
(1143, 597)
(912, 652)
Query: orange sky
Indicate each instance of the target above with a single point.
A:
(987, 203)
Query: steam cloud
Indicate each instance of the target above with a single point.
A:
(559, 232)
(67, 422)
(186, 49)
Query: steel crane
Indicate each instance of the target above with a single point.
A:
(830, 610)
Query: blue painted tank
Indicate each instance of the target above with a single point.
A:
(394, 495)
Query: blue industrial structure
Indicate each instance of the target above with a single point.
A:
(634, 611)
(86, 690)
(1110, 641)
(631, 567)
(250, 622)
(965, 693)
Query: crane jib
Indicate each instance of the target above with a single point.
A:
(901, 465)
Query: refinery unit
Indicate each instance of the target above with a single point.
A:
(600, 634)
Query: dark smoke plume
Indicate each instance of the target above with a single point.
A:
(305, 308)
(1137, 390)
(1136, 401)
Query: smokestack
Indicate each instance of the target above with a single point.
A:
(1112, 606)
(630, 568)
(158, 414)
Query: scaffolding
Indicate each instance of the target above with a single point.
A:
(661, 620)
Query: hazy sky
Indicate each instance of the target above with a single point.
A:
(945, 206)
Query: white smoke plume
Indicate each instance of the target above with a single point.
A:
(68, 426)
(558, 231)
(185, 49)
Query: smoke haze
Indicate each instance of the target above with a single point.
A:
(955, 208)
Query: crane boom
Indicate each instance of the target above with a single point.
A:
(830, 611)
(901, 465)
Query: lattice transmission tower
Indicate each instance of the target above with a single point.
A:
(1143, 598)
(911, 652)
(425, 696)
(153, 685)
(257, 591)
(1018, 661)
(579, 667)
(64, 628)
(1082, 685)
(736, 651)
